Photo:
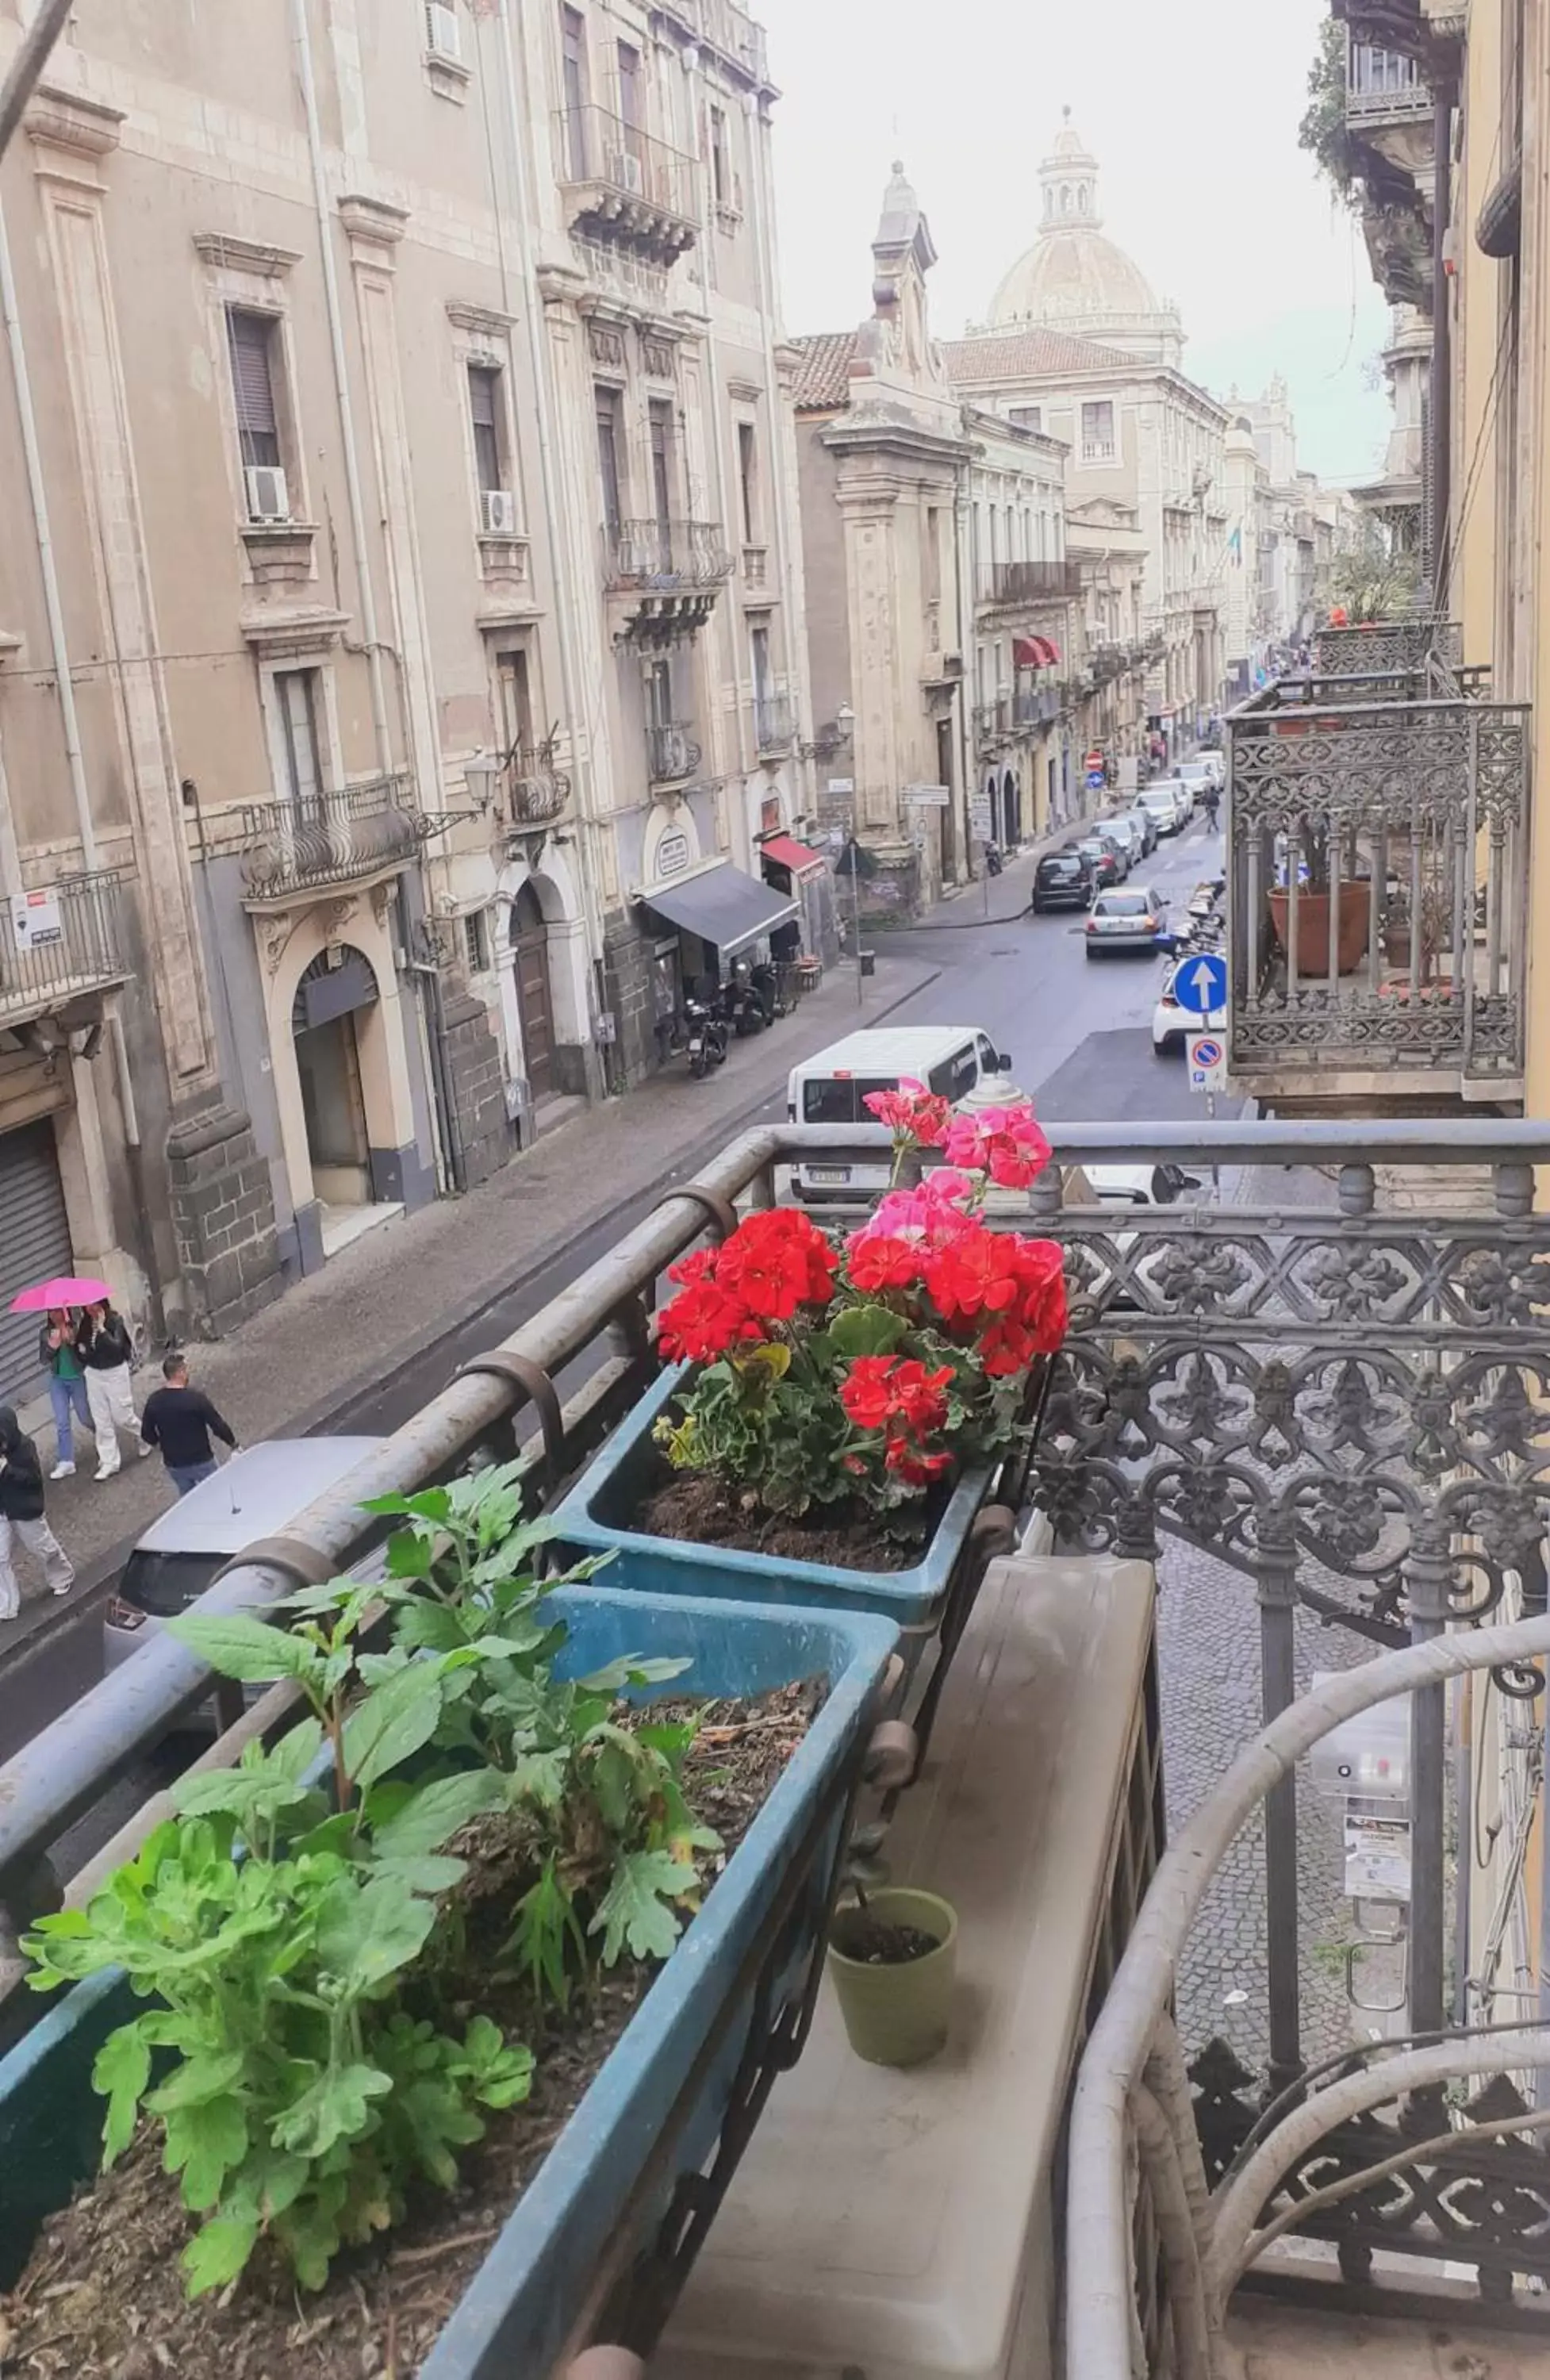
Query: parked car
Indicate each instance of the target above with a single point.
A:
(1125, 922)
(1170, 804)
(1064, 880)
(260, 1492)
(1206, 774)
(1147, 824)
(1125, 829)
(1139, 1186)
(1104, 861)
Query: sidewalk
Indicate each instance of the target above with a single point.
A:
(407, 1284)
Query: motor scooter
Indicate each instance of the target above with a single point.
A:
(994, 863)
(708, 1036)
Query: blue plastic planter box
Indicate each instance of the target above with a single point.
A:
(687, 2079)
(596, 1517)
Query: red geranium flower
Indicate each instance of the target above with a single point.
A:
(911, 1112)
(885, 1263)
(918, 1396)
(777, 1261)
(698, 1265)
(882, 1391)
(1007, 1348)
(865, 1391)
(1042, 1302)
(702, 1322)
(916, 1470)
(975, 1274)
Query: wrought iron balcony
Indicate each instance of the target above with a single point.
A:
(993, 721)
(1377, 866)
(1384, 88)
(1033, 582)
(665, 557)
(1384, 645)
(537, 790)
(625, 186)
(1034, 707)
(350, 837)
(671, 752)
(726, 29)
(59, 943)
(774, 721)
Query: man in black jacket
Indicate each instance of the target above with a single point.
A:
(21, 1515)
(179, 1419)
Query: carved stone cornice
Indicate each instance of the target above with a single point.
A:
(374, 228)
(487, 321)
(228, 253)
(67, 119)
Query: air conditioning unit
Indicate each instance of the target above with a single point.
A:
(498, 512)
(267, 497)
(624, 171)
(443, 38)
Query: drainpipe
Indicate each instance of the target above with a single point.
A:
(301, 34)
(519, 115)
(764, 256)
(1441, 394)
(70, 723)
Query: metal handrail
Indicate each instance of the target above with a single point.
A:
(335, 837)
(88, 955)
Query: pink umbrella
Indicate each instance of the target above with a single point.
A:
(67, 1291)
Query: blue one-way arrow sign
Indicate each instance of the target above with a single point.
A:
(1200, 984)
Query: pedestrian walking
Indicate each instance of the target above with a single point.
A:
(60, 1357)
(1212, 804)
(179, 1420)
(108, 1351)
(21, 1517)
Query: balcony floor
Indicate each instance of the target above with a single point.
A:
(1269, 2342)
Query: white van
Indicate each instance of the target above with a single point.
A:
(833, 1087)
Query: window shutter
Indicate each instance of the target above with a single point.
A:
(481, 396)
(251, 382)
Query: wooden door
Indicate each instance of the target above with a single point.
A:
(534, 999)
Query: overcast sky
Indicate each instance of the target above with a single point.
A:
(1192, 112)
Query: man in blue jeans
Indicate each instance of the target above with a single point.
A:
(179, 1419)
(60, 1358)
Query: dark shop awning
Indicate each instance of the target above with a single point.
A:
(723, 907)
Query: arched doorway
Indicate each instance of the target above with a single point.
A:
(1012, 810)
(535, 996)
(333, 990)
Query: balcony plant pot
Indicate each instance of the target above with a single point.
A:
(896, 2012)
(1312, 927)
(598, 1516)
(687, 2077)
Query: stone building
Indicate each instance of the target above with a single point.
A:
(402, 496)
(1077, 342)
(885, 454)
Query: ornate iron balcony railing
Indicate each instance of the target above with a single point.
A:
(1378, 866)
(1384, 645)
(344, 837)
(57, 943)
(626, 187)
(773, 722)
(671, 752)
(1383, 87)
(1033, 582)
(665, 557)
(537, 790)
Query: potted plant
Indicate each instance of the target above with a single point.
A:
(473, 1866)
(892, 1956)
(838, 1410)
(1313, 909)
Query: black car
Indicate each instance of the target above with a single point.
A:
(1061, 881)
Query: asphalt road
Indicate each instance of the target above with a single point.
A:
(1078, 1034)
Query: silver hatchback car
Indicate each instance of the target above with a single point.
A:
(261, 1492)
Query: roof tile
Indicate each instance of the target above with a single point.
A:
(1029, 355)
(824, 380)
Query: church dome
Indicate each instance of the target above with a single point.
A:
(1073, 277)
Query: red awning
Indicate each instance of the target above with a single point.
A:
(786, 851)
(1034, 652)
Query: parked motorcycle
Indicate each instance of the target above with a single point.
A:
(708, 1036)
(747, 1005)
(994, 863)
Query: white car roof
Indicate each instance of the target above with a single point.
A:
(896, 1049)
(256, 1494)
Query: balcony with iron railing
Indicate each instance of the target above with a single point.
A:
(354, 835)
(673, 751)
(993, 721)
(625, 187)
(774, 721)
(1378, 646)
(727, 29)
(537, 788)
(1377, 873)
(59, 944)
(1304, 1399)
(1382, 89)
(666, 557)
(1030, 582)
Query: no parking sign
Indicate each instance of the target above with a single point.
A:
(1207, 1063)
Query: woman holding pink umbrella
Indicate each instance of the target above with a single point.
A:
(61, 1302)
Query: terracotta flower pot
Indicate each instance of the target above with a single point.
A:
(897, 2015)
(1312, 927)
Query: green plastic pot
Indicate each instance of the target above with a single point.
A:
(898, 2016)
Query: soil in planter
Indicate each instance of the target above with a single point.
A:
(872, 1943)
(694, 1506)
(102, 2298)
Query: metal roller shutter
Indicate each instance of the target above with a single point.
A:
(34, 1242)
